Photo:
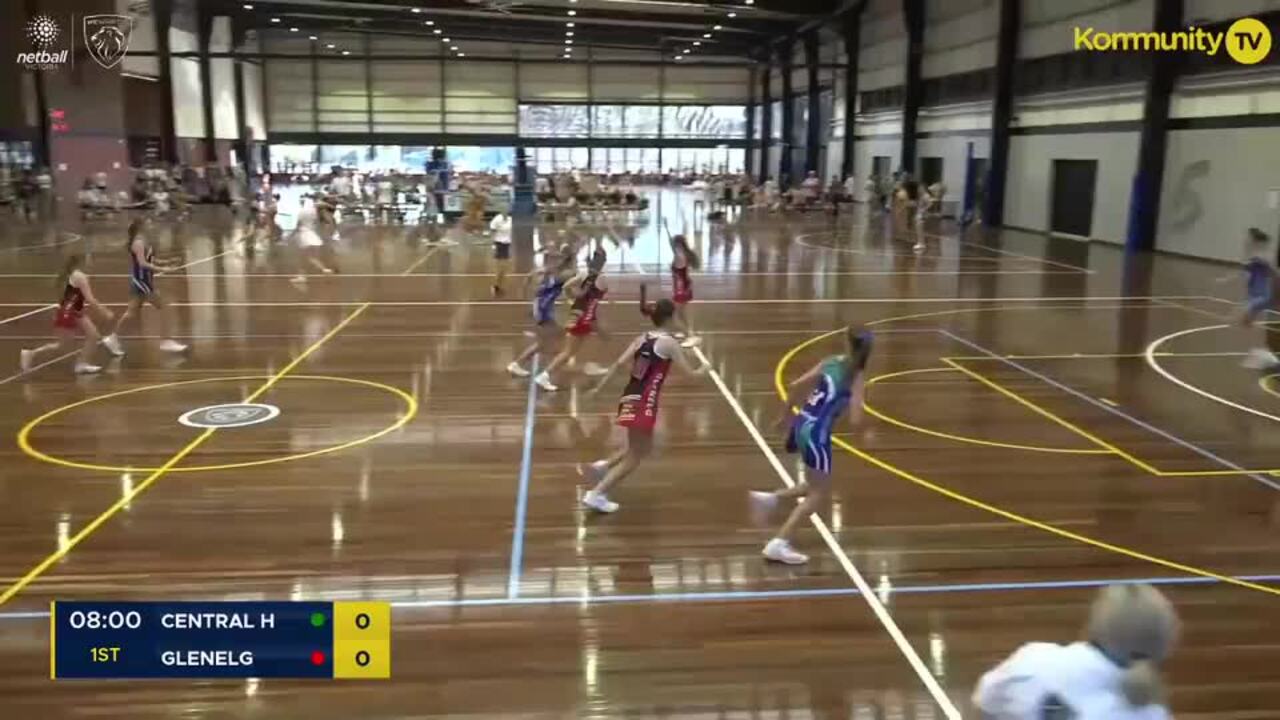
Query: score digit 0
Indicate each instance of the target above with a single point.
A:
(362, 640)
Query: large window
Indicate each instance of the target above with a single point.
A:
(721, 122)
(554, 121)
(629, 121)
(711, 122)
(560, 159)
(621, 160)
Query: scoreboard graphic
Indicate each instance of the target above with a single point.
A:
(109, 640)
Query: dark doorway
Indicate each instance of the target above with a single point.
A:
(880, 166)
(930, 170)
(1071, 204)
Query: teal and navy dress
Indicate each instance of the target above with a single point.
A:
(811, 429)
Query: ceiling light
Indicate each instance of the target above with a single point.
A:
(718, 27)
(436, 31)
(417, 10)
(678, 58)
(697, 43)
(329, 46)
(431, 22)
(568, 33)
(462, 54)
(275, 19)
(454, 48)
(706, 35)
(572, 13)
(685, 51)
(346, 52)
(568, 24)
(312, 37)
(444, 39)
(568, 41)
(750, 2)
(247, 6)
(293, 29)
(733, 15)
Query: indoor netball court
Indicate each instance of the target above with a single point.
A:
(1041, 420)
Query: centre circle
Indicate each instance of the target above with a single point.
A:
(226, 414)
(229, 415)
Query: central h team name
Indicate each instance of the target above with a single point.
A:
(217, 621)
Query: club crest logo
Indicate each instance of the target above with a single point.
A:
(107, 38)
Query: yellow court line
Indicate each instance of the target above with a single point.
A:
(159, 472)
(962, 438)
(1266, 381)
(780, 388)
(1094, 356)
(25, 444)
(1051, 416)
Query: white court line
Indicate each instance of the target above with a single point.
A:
(34, 368)
(71, 238)
(867, 593)
(191, 264)
(1152, 352)
(624, 301)
(725, 274)
(1011, 253)
(29, 313)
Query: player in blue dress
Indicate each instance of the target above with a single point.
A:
(560, 268)
(834, 384)
(1260, 287)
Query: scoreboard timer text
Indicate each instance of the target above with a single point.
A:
(349, 640)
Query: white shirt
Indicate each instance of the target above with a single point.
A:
(341, 185)
(501, 227)
(1078, 675)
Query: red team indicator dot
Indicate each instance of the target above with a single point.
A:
(317, 658)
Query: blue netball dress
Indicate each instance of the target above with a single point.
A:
(141, 279)
(1260, 285)
(811, 429)
(544, 299)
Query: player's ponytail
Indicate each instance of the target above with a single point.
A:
(859, 341)
(70, 265)
(690, 257)
(1142, 684)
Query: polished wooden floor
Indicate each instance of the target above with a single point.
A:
(1022, 451)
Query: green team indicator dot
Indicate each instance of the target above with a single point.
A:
(317, 619)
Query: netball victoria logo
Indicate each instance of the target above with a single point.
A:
(43, 33)
(107, 38)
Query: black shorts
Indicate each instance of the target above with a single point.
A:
(501, 251)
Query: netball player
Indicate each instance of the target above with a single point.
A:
(70, 317)
(683, 258)
(142, 288)
(651, 356)
(309, 241)
(1113, 673)
(500, 228)
(557, 271)
(587, 291)
(836, 382)
(1260, 288)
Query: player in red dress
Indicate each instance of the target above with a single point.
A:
(587, 291)
(70, 317)
(683, 259)
(651, 355)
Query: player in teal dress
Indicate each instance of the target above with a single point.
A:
(835, 383)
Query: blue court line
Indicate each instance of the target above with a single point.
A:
(1114, 411)
(750, 595)
(522, 494)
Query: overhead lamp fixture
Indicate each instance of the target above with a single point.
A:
(684, 51)
(697, 42)
(706, 35)
(462, 54)
(568, 33)
(717, 27)
(417, 10)
(678, 58)
(749, 2)
(454, 48)
(444, 39)
(431, 22)
(312, 37)
(275, 19)
(568, 41)
(572, 13)
(733, 15)
(329, 46)
(436, 31)
(293, 29)
(247, 6)
(346, 52)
